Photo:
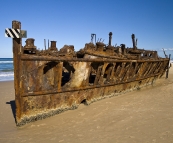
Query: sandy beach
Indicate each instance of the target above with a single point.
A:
(142, 116)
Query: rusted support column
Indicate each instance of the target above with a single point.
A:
(132, 69)
(17, 44)
(144, 68)
(102, 73)
(153, 68)
(117, 73)
(58, 75)
(121, 71)
(138, 70)
(148, 69)
(126, 76)
(135, 70)
(89, 73)
(98, 74)
(109, 74)
(124, 72)
(158, 66)
(112, 73)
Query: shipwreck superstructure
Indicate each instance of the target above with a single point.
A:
(50, 81)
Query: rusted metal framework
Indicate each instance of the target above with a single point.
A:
(50, 81)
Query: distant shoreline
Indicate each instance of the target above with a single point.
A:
(7, 81)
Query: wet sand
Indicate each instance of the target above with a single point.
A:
(143, 116)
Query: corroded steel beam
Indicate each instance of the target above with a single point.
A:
(48, 58)
(81, 88)
(17, 43)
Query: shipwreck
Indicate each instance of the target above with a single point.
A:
(50, 81)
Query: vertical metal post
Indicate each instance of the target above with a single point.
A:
(167, 70)
(92, 36)
(59, 75)
(17, 44)
(133, 41)
(45, 44)
(110, 38)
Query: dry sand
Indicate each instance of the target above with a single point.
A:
(143, 116)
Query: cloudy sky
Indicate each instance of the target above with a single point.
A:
(72, 21)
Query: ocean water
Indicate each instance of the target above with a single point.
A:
(6, 69)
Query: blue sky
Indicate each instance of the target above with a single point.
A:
(72, 21)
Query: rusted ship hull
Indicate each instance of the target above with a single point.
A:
(42, 93)
(49, 82)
